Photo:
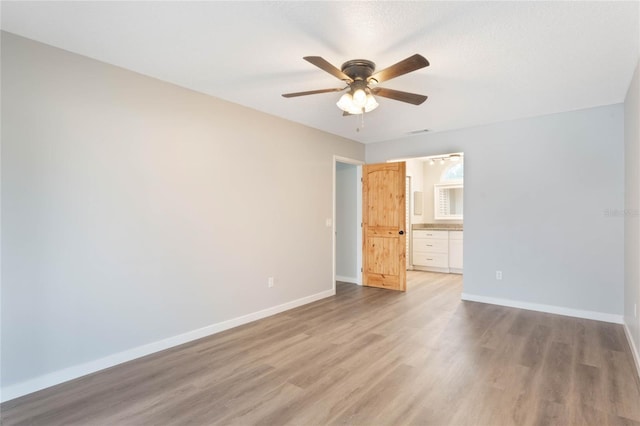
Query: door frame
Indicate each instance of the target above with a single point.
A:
(338, 159)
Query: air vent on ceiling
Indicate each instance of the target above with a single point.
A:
(416, 132)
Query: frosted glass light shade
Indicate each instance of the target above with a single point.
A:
(348, 102)
(359, 98)
(371, 103)
(345, 102)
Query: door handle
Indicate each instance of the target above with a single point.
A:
(401, 232)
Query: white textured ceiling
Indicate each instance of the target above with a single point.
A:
(490, 61)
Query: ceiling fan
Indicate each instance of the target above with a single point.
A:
(362, 82)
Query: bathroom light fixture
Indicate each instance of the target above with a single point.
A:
(443, 159)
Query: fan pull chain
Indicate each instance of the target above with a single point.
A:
(361, 121)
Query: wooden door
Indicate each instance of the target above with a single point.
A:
(384, 233)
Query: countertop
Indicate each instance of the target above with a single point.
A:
(437, 226)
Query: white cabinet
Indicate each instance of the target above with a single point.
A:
(455, 251)
(433, 250)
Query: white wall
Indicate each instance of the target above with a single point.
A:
(414, 169)
(135, 210)
(347, 221)
(536, 195)
(632, 213)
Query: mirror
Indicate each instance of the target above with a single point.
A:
(448, 203)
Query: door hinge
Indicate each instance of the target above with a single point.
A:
(361, 225)
(361, 270)
(361, 180)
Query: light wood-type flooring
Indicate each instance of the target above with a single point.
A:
(367, 357)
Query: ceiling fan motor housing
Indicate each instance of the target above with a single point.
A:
(359, 69)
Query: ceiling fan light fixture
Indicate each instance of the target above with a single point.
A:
(347, 102)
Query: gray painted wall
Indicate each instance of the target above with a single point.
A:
(632, 210)
(134, 210)
(536, 195)
(347, 244)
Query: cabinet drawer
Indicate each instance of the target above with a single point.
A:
(430, 245)
(425, 233)
(438, 260)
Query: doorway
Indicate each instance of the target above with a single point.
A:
(436, 213)
(347, 218)
(347, 249)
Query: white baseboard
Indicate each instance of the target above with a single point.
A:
(64, 375)
(634, 348)
(344, 279)
(569, 312)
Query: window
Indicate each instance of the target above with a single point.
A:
(454, 172)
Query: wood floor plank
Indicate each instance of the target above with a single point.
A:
(617, 387)
(557, 374)
(587, 345)
(367, 357)
(589, 387)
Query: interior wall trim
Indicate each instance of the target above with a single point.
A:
(352, 280)
(634, 348)
(551, 309)
(51, 379)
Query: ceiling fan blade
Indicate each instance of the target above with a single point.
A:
(405, 66)
(397, 95)
(326, 66)
(312, 92)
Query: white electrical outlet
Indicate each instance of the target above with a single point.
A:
(270, 282)
(498, 275)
